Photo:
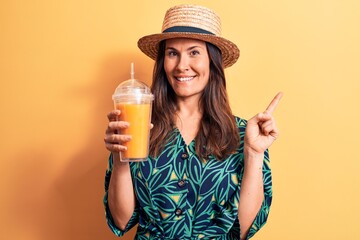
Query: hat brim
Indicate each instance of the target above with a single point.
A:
(229, 51)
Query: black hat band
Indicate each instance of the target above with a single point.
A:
(186, 29)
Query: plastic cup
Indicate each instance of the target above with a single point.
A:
(134, 99)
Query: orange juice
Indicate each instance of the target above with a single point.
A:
(138, 115)
(134, 99)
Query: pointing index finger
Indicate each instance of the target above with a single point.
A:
(270, 109)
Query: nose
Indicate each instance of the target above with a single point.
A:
(183, 63)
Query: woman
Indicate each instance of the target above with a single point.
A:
(207, 174)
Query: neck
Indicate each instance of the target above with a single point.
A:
(188, 108)
(188, 118)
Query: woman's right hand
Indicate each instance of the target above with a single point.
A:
(114, 140)
(121, 197)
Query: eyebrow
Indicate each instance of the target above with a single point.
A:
(188, 49)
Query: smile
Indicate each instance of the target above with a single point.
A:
(184, 79)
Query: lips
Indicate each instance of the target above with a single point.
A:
(185, 79)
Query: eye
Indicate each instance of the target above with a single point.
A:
(171, 53)
(194, 52)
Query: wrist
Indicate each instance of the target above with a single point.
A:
(253, 158)
(117, 163)
(251, 153)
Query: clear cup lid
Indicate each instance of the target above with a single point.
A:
(132, 87)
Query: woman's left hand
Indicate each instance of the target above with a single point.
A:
(261, 130)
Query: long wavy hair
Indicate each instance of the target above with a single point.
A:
(217, 134)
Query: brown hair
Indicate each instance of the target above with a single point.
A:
(218, 134)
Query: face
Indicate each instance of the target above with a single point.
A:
(187, 67)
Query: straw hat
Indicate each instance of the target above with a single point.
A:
(191, 21)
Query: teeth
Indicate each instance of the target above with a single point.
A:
(184, 79)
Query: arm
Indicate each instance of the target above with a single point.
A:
(121, 198)
(251, 192)
(120, 193)
(260, 133)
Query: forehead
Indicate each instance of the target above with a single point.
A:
(184, 42)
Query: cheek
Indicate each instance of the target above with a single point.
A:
(168, 74)
(168, 66)
(205, 69)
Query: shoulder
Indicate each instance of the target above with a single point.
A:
(241, 125)
(240, 122)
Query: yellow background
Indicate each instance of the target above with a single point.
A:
(60, 61)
